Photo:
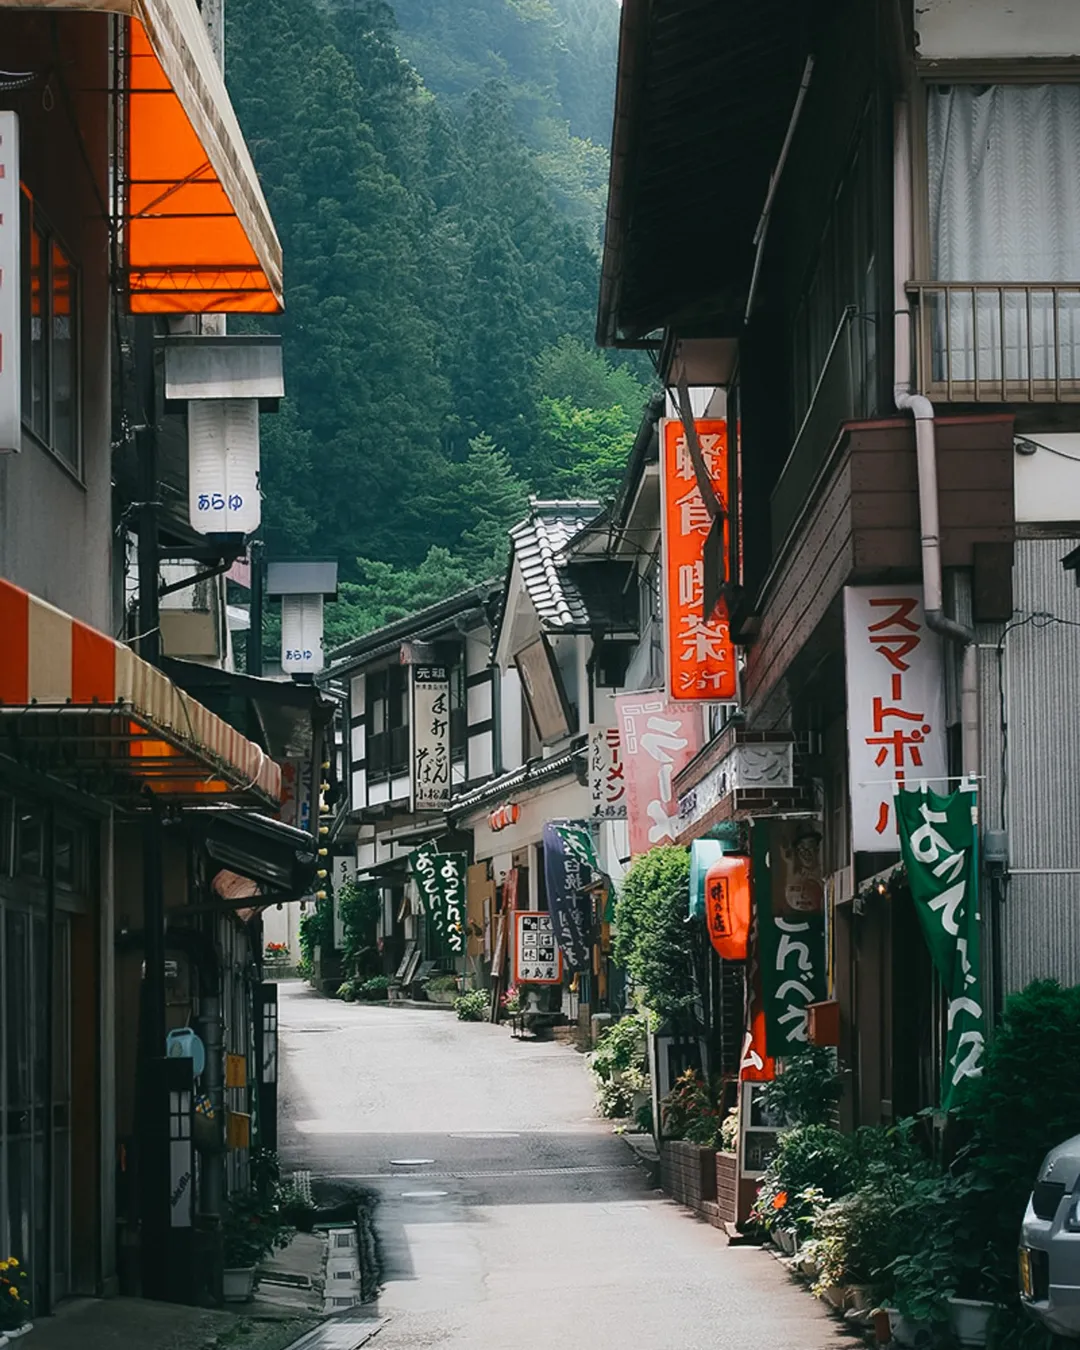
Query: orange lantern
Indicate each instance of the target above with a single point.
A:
(727, 906)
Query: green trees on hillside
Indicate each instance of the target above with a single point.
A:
(439, 297)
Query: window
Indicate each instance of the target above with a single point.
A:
(387, 722)
(459, 733)
(1003, 178)
(50, 394)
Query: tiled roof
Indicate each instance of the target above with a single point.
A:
(539, 543)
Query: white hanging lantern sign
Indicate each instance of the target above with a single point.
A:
(223, 465)
(301, 634)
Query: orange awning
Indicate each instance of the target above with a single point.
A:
(77, 704)
(197, 233)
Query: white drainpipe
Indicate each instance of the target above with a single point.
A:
(926, 451)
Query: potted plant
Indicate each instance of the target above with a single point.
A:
(511, 1000)
(254, 1226)
(970, 1319)
(14, 1301)
(442, 988)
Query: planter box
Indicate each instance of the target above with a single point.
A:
(237, 1284)
(735, 1195)
(970, 1320)
(688, 1172)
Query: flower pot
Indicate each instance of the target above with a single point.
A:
(237, 1284)
(860, 1297)
(18, 1333)
(916, 1335)
(836, 1295)
(785, 1240)
(970, 1320)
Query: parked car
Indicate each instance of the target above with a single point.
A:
(1050, 1242)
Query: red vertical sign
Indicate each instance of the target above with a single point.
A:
(700, 654)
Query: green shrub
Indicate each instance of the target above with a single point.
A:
(729, 1131)
(620, 1066)
(347, 991)
(812, 1164)
(375, 988)
(653, 941)
(442, 983)
(807, 1089)
(472, 1007)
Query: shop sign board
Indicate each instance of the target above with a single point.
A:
(659, 738)
(789, 895)
(744, 767)
(430, 734)
(939, 843)
(440, 879)
(569, 866)
(537, 958)
(607, 774)
(896, 707)
(700, 655)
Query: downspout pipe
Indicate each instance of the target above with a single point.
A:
(922, 410)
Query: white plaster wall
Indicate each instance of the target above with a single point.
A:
(1047, 483)
(996, 29)
(510, 710)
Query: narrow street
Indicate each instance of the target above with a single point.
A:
(522, 1220)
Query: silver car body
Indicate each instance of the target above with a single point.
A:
(1054, 1250)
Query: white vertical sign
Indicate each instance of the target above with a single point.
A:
(896, 707)
(301, 634)
(10, 286)
(607, 773)
(223, 465)
(429, 771)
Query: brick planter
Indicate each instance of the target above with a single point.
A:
(735, 1195)
(688, 1173)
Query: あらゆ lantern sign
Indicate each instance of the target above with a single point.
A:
(727, 906)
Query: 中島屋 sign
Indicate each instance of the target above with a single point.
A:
(939, 843)
(440, 879)
(569, 866)
(430, 775)
(790, 897)
(896, 706)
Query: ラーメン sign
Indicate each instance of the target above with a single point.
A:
(790, 898)
(939, 844)
(658, 740)
(699, 651)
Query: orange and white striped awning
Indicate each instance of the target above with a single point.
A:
(73, 699)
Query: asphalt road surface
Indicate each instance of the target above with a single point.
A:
(508, 1216)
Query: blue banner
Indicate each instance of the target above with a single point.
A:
(569, 866)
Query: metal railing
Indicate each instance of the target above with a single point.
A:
(998, 342)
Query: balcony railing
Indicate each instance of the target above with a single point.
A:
(1000, 342)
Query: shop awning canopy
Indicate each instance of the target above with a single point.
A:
(197, 233)
(76, 704)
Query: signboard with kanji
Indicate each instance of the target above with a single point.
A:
(430, 775)
(537, 958)
(607, 774)
(896, 707)
(658, 740)
(700, 656)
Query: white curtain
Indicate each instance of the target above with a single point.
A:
(1004, 177)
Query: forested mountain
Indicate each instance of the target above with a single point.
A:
(440, 286)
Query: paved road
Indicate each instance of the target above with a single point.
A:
(509, 1217)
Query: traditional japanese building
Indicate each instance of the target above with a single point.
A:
(878, 271)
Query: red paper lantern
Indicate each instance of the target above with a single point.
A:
(727, 906)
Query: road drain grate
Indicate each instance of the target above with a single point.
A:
(464, 1174)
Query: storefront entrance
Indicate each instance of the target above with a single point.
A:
(44, 889)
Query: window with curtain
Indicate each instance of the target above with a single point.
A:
(50, 374)
(1004, 193)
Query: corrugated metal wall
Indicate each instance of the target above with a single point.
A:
(1041, 673)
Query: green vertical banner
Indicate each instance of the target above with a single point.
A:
(939, 839)
(440, 878)
(789, 896)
